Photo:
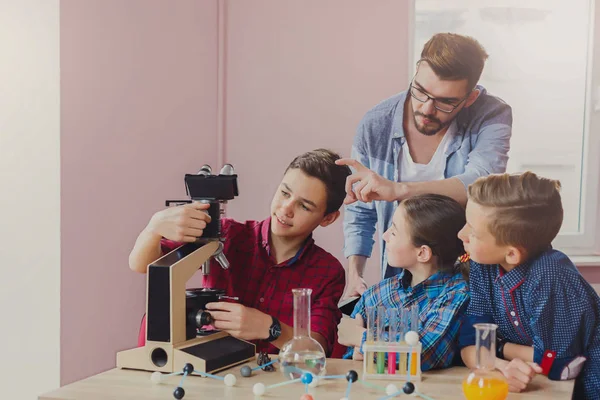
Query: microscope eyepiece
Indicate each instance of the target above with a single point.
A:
(205, 170)
(227, 170)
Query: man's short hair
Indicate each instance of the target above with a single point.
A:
(455, 57)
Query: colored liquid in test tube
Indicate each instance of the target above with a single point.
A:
(381, 313)
(404, 320)
(392, 338)
(414, 326)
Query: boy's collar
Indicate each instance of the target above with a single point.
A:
(514, 278)
(265, 234)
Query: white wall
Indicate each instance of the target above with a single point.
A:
(29, 197)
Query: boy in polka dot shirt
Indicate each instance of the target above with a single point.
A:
(548, 316)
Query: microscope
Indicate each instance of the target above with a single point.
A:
(175, 316)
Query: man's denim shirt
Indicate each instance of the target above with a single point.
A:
(479, 147)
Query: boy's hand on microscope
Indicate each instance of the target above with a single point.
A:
(240, 321)
(183, 223)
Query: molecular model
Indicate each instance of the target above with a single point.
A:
(307, 379)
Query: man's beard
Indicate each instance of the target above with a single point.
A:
(430, 129)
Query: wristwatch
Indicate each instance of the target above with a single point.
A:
(274, 330)
(500, 348)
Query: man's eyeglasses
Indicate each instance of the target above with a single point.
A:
(441, 105)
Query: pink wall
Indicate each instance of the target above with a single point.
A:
(138, 85)
(300, 75)
(591, 274)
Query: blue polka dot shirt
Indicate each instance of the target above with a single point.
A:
(544, 303)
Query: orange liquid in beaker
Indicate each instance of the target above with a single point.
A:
(485, 389)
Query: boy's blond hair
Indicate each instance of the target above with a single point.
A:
(527, 212)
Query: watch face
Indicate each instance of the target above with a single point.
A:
(275, 330)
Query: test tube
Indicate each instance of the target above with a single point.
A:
(404, 323)
(371, 334)
(392, 338)
(414, 326)
(381, 312)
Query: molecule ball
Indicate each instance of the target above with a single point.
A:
(344, 398)
(246, 371)
(306, 378)
(391, 389)
(259, 389)
(179, 393)
(230, 380)
(189, 368)
(352, 376)
(408, 388)
(314, 383)
(411, 338)
(306, 396)
(156, 377)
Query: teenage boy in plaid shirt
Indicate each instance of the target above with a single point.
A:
(267, 258)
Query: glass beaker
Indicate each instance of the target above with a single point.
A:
(302, 353)
(485, 382)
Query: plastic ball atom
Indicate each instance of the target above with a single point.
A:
(259, 389)
(178, 393)
(408, 388)
(246, 371)
(306, 378)
(188, 368)
(306, 396)
(314, 383)
(352, 376)
(156, 377)
(411, 338)
(391, 389)
(230, 380)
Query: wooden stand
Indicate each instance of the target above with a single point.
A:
(407, 358)
(167, 347)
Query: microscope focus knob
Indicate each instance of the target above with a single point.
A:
(203, 318)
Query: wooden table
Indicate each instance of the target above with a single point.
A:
(129, 384)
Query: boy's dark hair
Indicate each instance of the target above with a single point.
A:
(320, 164)
(455, 57)
(527, 209)
(435, 221)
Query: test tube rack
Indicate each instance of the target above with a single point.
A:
(392, 361)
